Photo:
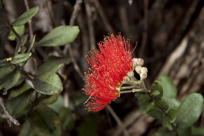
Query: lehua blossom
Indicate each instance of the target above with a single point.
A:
(108, 68)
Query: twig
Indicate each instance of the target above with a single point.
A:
(30, 29)
(18, 37)
(75, 12)
(50, 12)
(14, 31)
(117, 119)
(133, 91)
(90, 25)
(144, 37)
(103, 16)
(68, 47)
(178, 34)
(124, 19)
(84, 39)
(6, 115)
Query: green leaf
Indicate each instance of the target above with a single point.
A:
(21, 43)
(20, 58)
(169, 89)
(19, 29)
(25, 129)
(57, 105)
(52, 64)
(157, 92)
(50, 99)
(21, 104)
(48, 84)
(66, 118)
(144, 101)
(10, 80)
(189, 110)
(60, 36)
(49, 116)
(172, 103)
(16, 92)
(26, 16)
(6, 70)
(31, 45)
(42, 122)
(163, 132)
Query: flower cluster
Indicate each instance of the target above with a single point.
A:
(108, 67)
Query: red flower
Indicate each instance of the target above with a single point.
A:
(108, 66)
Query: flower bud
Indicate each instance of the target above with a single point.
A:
(138, 69)
(144, 70)
(130, 74)
(143, 76)
(137, 62)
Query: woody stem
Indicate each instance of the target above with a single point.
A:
(132, 91)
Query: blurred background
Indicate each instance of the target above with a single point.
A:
(167, 34)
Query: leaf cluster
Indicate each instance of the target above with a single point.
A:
(177, 117)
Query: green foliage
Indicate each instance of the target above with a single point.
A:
(60, 36)
(25, 17)
(49, 84)
(157, 90)
(169, 89)
(19, 30)
(34, 97)
(9, 79)
(42, 122)
(20, 58)
(6, 70)
(67, 118)
(57, 105)
(31, 44)
(160, 103)
(189, 110)
(163, 132)
(52, 64)
(16, 92)
(47, 81)
(21, 104)
(144, 101)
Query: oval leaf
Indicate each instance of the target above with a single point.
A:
(16, 92)
(157, 90)
(52, 64)
(60, 36)
(189, 110)
(26, 16)
(19, 29)
(10, 80)
(48, 84)
(42, 122)
(21, 104)
(20, 58)
(169, 89)
(30, 46)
